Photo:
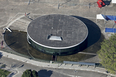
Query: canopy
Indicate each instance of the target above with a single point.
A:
(113, 30)
(113, 1)
(109, 17)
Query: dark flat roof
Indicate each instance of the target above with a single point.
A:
(72, 30)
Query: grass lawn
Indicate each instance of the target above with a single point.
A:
(4, 73)
(18, 42)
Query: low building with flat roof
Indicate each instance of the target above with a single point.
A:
(56, 34)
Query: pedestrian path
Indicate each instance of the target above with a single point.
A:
(55, 65)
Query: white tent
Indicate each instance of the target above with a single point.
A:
(99, 16)
(113, 1)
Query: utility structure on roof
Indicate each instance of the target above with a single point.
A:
(57, 34)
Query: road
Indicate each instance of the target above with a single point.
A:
(8, 10)
(20, 67)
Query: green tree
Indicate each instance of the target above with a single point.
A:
(29, 73)
(34, 73)
(107, 54)
(3, 66)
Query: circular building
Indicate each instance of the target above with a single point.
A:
(56, 34)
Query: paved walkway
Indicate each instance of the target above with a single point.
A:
(9, 9)
(55, 65)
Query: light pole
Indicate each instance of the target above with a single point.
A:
(58, 4)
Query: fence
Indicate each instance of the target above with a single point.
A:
(60, 3)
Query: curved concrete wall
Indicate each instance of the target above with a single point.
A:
(61, 52)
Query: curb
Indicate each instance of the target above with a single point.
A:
(55, 65)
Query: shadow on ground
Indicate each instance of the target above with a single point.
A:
(94, 32)
(45, 73)
(1, 55)
(22, 47)
(18, 42)
(107, 2)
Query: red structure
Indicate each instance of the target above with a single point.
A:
(100, 3)
(115, 21)
(25, 14)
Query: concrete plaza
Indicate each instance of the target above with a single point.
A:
(12, 14)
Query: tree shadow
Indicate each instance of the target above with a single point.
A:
(45, 73)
